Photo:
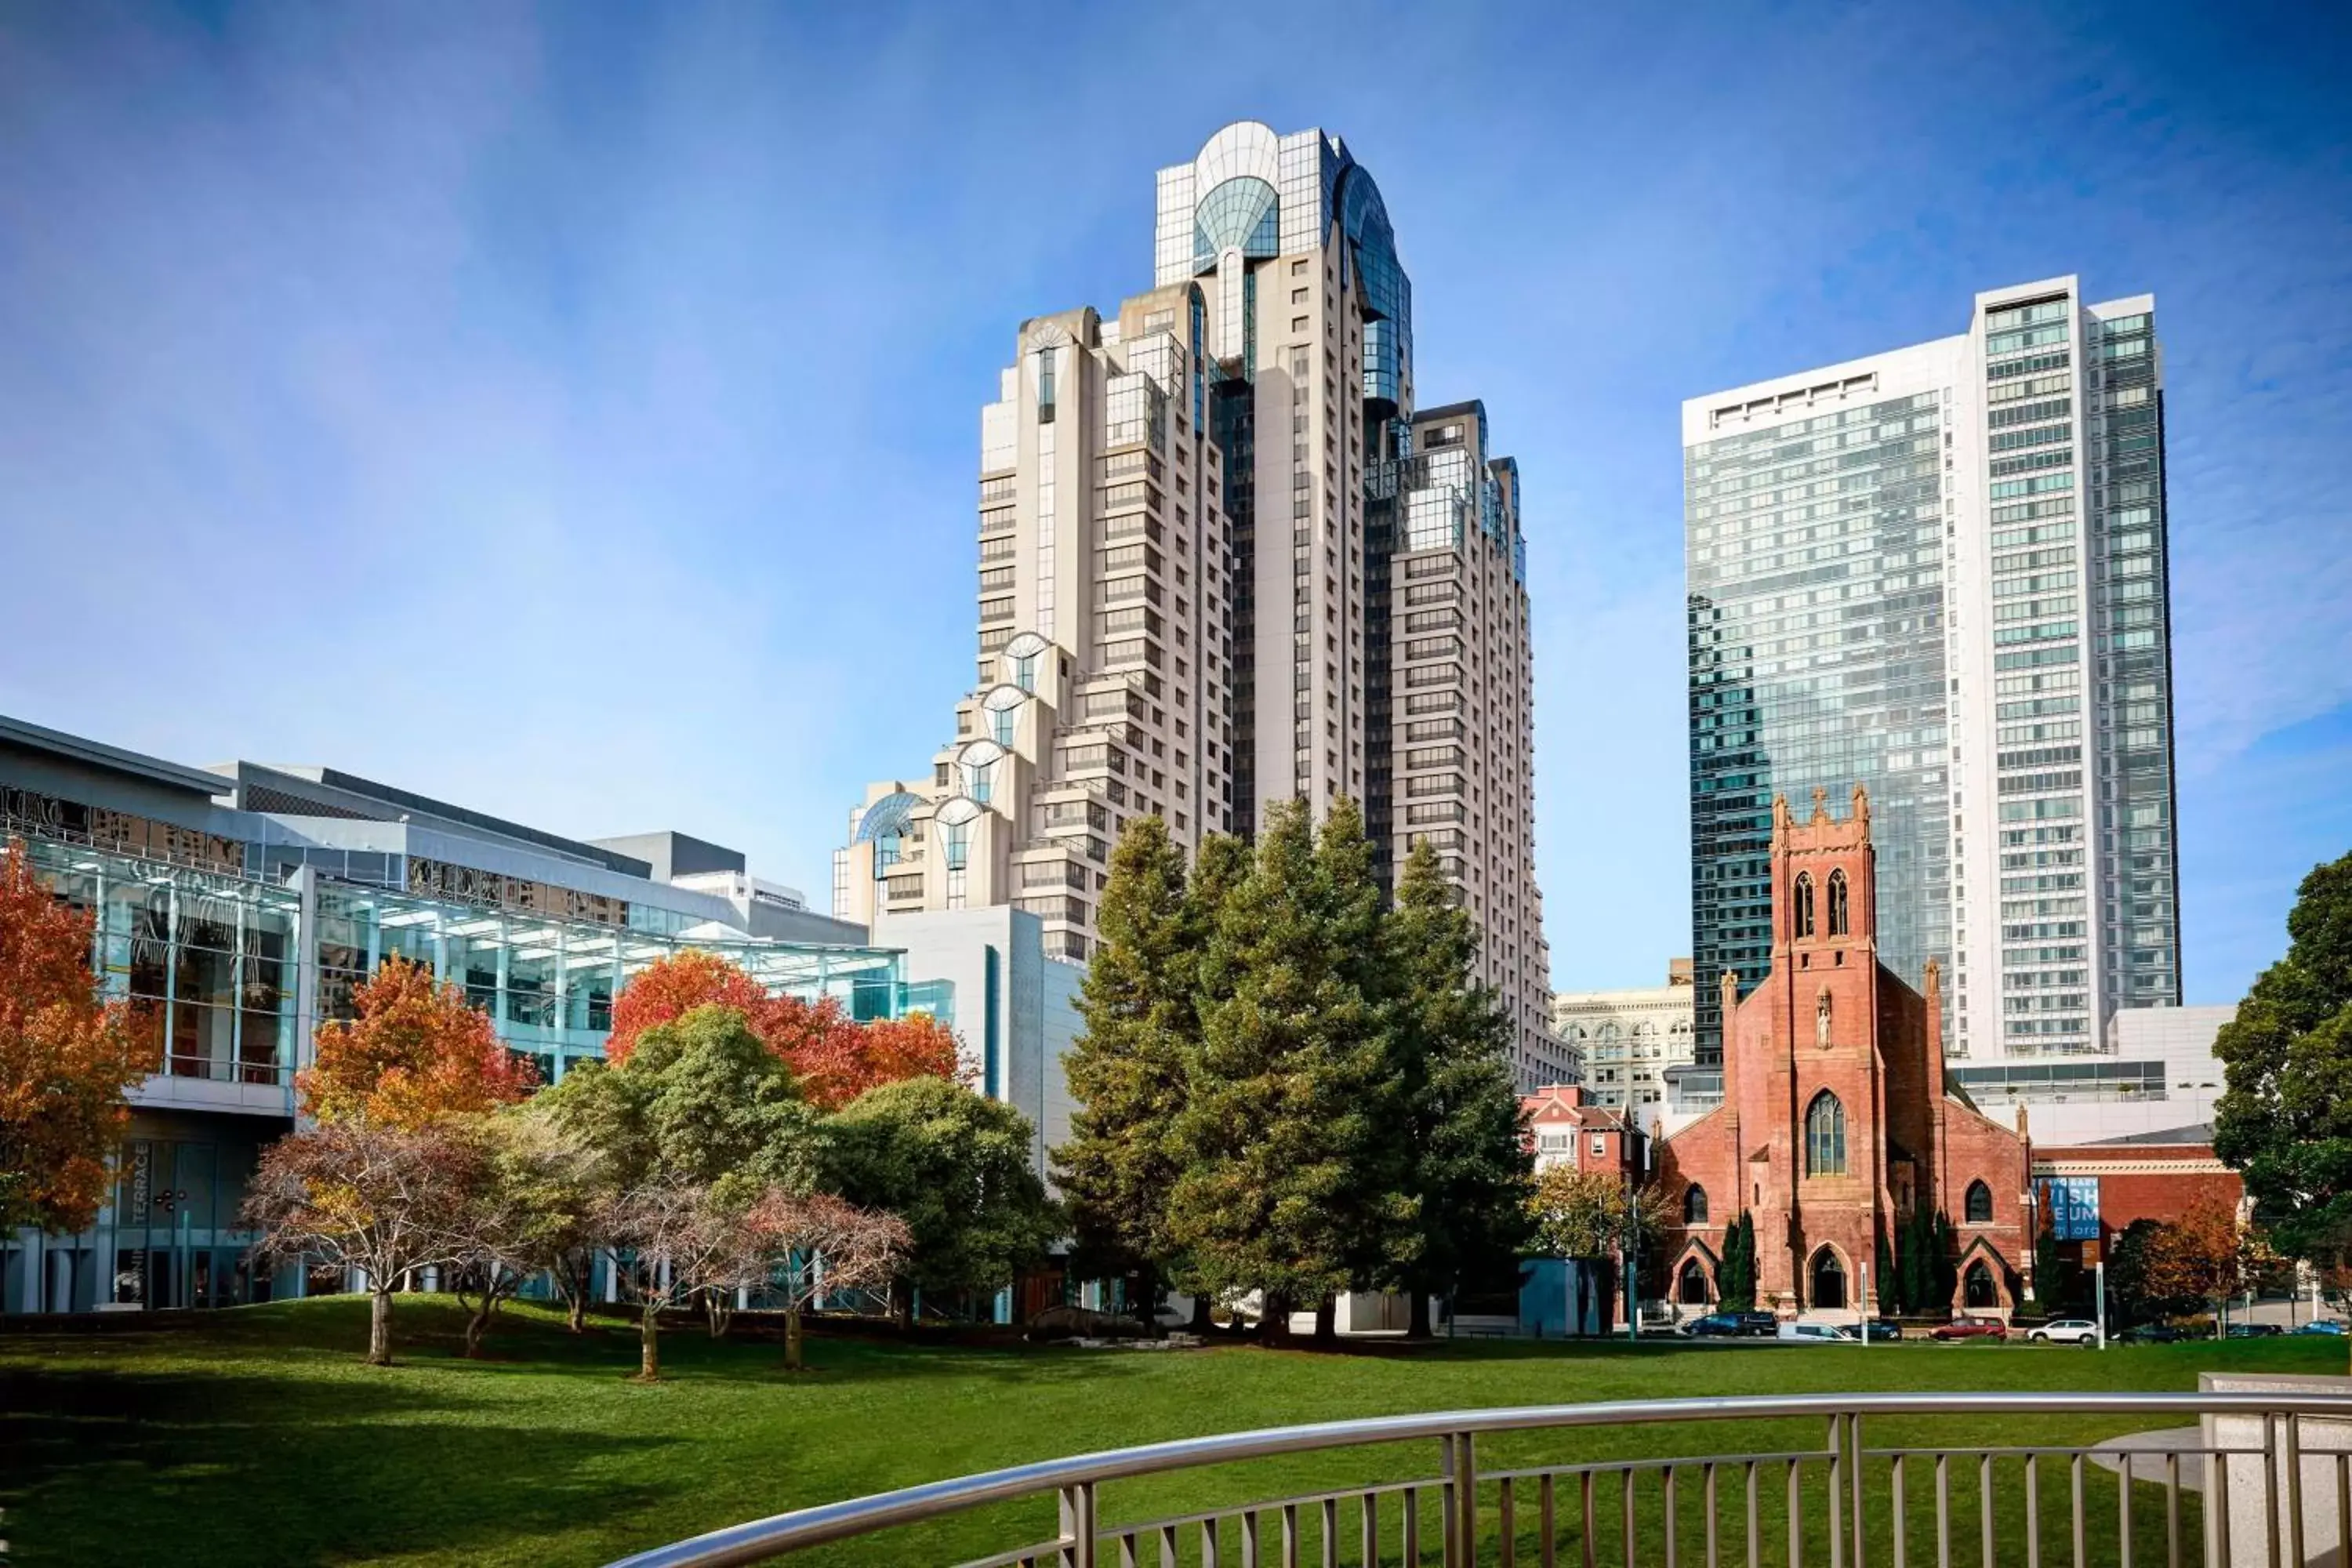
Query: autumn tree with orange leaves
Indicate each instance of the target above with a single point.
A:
(66, 1059)
(414, 1053)
(833, 1057)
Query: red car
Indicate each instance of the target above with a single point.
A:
(1971, 1329)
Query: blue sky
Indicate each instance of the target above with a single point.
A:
(573, 411)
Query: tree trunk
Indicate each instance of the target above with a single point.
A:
(1327, 1322)
(379, 1351)
(649, 1344)
(902, 1307)
(1274, 1320)
(578, 1282)
(793, 1339)
(718, 1312)
(1202, 1322)
(478, 1325)
(1419, 1327)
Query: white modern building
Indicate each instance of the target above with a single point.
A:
(1224, 561)
(2158, 1075)
(1940, 572)
(1628, 1041)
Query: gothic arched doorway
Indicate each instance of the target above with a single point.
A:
(1979, 1286)
(1690, 1285)
(1828, 1279)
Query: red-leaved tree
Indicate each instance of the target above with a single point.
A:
(66, 1059)
(415, 1053)
(834, 1058)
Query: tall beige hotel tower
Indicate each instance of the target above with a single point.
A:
(1225, 561)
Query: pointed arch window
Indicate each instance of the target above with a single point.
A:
(1979, 1205)
(1802, 905)
(1695, 1204)
(1841, 916)
(1825, 1136)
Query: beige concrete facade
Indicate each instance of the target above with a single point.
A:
(1629, 1038)
(1223, 563)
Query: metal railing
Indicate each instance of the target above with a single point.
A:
(1842, 1502)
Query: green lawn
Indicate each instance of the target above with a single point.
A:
(259, 1438)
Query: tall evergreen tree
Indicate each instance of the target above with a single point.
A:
(1464, 1167)
(1882, 1280)
(1274, 1124)
(1735, 1273)
(1379, 1199)
(1127, 1072)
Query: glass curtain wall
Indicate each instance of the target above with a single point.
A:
(1816, 621)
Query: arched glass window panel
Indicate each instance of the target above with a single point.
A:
(1979, 1206)
(978, 763)
(1693, 1205)
(1839, 916)
(1002, 708)
(1801, 905)
(1609, 1034)
(1019, 660)
(1825, 1136)
(955, 819)
(1240, 213)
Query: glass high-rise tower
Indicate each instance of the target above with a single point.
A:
(1940, 572)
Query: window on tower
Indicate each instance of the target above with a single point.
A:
(1840, 919)
(1825, 1136)
(1801, 899)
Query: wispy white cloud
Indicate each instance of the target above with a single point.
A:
(572, 410)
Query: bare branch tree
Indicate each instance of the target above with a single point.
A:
(820, 1243)
(380, 1199)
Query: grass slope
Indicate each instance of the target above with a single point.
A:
(258, 1437)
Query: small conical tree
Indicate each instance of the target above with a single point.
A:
(1466, 1169)
(1882, 1269)
(1273, 1122)
(1736, 1274)
(1127, 1072)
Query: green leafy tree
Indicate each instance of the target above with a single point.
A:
(1467, 1171)
(1127, 1072)
(2285, 1120)
(1884, 1284)
(954, 1166)
(2048, 1290)
(534, 1209)
(700, 1099)
(1276, 1122)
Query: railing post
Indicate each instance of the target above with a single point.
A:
(1077, 1541)
(2294, 1493)
(1463, 1528)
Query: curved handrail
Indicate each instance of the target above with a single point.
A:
(758, 1540)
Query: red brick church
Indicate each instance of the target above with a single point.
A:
(1837, 1119)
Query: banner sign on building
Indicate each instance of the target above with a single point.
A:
(2073, 1204)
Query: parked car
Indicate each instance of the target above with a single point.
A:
(2066, 1332)
(2322, 1326)
(1717, 1326)
(1759, 1325)
(1814, 1334)
(2253, 1330)
(1884, 1329)
(1971, 1329)
(2152, 1334)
